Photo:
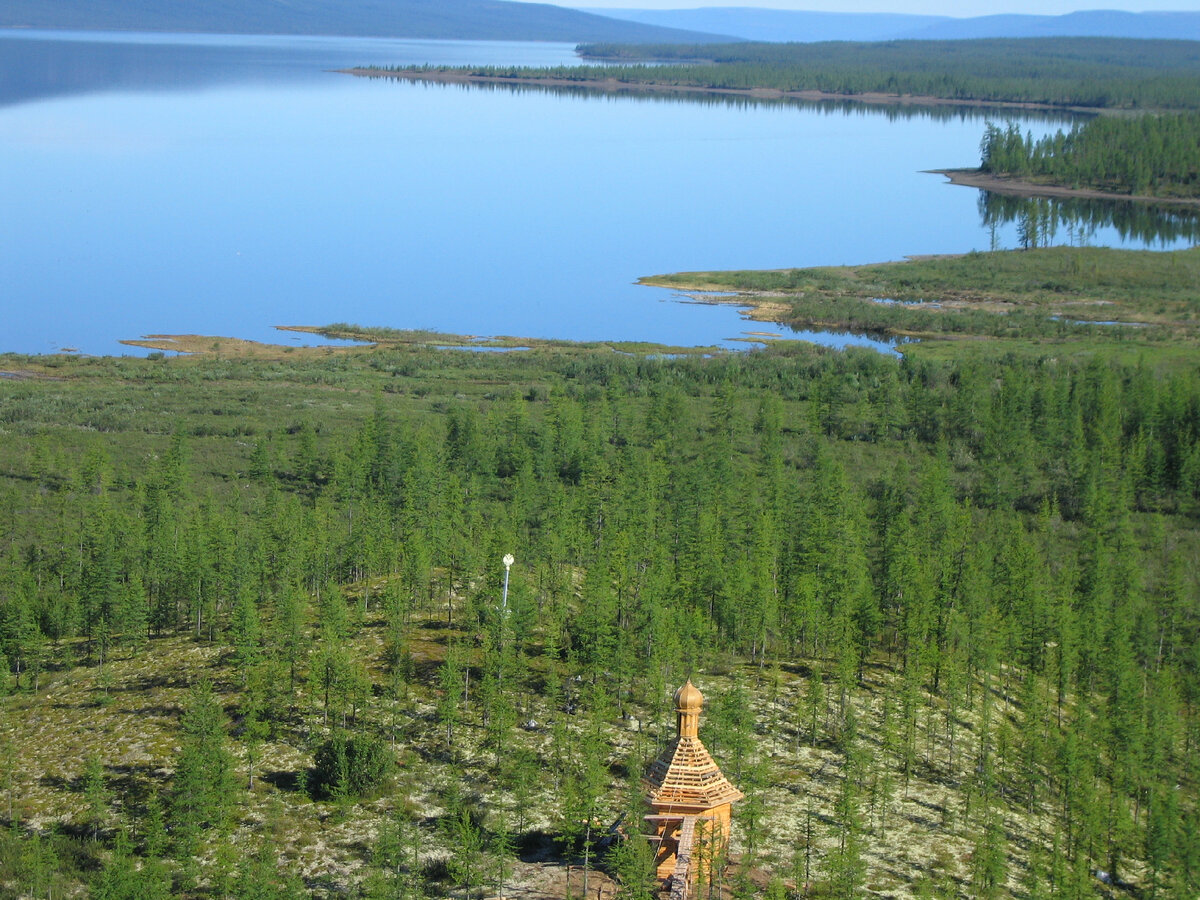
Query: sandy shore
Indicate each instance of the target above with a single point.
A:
(612, 85)
(1006, 185)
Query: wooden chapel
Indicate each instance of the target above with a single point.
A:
(691, 801)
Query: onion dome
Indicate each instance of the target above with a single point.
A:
(688, 698)
(685, 777)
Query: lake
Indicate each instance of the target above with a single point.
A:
(224, 185)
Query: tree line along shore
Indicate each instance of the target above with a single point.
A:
(1080, 73)
(1154, 154)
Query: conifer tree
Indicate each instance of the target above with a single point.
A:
(203, 784)
(846, 867)
(245, 633)
(632, 861)
(812, 706)
(451, 679)
(96, 792)
(121, 878)
(467, 845)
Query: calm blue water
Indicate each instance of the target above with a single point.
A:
(225, 185)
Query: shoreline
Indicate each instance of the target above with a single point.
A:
(615, 86)
(812, 297)
(1003, 184)
(964, 177)
(369, 339)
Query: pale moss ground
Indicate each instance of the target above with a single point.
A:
(128, 717)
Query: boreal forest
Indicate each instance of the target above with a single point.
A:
(258, 640)
(1096, 73)
(1151, 155)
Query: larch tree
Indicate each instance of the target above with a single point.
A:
(204, 773)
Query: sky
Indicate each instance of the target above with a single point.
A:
(958, 8)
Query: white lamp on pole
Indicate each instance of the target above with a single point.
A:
(509, 559)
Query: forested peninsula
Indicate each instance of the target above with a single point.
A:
(1064, 73)
(258, 639)
(1153, 155)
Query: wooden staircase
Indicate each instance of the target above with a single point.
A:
(680, 878)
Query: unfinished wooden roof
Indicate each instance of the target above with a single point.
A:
(685, 775)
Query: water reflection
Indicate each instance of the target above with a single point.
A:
(39, 64)
(33, 69)
(840, 340)
(892, 112)
(284, 193)
(1043, 221)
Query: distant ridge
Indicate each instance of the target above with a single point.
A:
(1180, 26)
(442, 19)
(755, 24)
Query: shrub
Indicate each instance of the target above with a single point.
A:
(350, 765)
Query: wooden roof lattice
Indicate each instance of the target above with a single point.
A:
(685, 775)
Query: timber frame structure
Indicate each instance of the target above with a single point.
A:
(690, 801)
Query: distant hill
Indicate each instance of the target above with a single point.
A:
(755, 24)
(1096, 23)
(446, 19)
(785, 25)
